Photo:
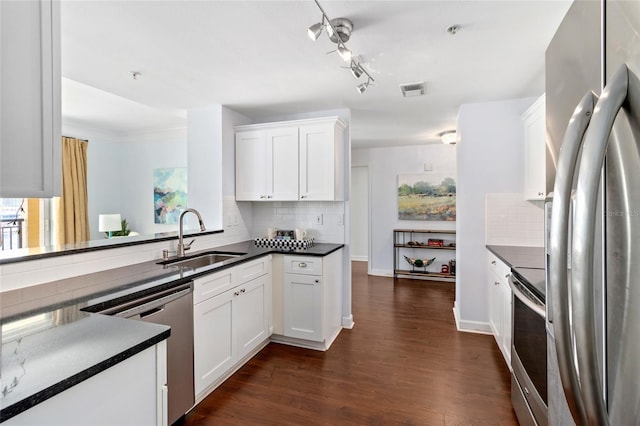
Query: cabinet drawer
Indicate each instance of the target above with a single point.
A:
(499, 268)
(306, 265)
(254, 269)
(214, 284)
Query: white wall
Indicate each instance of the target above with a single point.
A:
(490, 160)
(359, 219)
(385, 164)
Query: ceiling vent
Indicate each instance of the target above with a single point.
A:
(412, 89)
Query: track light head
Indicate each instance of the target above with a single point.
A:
(356, 70)
(315, 30)
(361, 88)
(344, 53)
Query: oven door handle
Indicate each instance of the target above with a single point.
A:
(532, 304)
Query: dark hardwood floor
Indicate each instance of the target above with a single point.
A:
(404, 363)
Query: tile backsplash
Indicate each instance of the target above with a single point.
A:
(301, 214)
(511, 221)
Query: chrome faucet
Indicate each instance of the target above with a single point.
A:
(181, 246)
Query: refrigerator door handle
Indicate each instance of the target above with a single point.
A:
(558, 252)
(583, 304)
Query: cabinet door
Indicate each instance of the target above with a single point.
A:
(506, 322)
(30, 162)
(317, 162)
(214, 339)
(251, 164)
(282, 164)
(251, 321)
(495, 306)
(535, 151)
(303, 307)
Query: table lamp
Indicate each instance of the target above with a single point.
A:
(109, 223)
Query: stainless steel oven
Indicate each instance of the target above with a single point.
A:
(529, 346)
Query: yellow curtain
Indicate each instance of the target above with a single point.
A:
(72, 207)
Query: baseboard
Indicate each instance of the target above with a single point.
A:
(300, 343)
(347, 322)
(477, 327)
(381, 273)
(359, 258)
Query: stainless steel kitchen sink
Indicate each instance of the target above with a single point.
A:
(201, 260)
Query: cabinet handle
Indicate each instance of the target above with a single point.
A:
(269, 196)
(317, 281)
(262, 197)
(493, 262)
(541, 193)
(243, 290)
(496, 283)
(302, 265)
(303, 196)
(236, 293)
(507, 276)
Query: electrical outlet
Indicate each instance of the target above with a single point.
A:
(319, 219)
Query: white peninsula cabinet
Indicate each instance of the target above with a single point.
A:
(293, 160)
(535, 183)
(132, 392)
(30, 118)
(310, 301)
(232, 321)
(500, 304)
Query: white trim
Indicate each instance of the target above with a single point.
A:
(380, 272)
(477, 327)
(360, 258)
(347, 322)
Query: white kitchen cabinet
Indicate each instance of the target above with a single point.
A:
(311, 300)
(30, 117)
(500, 305)
(321, 162)
(535, 184)
(267, 164)
(231, 322)
(132, 392)
(293, 160)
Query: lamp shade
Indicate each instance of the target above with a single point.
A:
(109, 222)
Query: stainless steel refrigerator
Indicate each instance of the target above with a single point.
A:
(593, 242)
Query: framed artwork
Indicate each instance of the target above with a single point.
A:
(169, 194)
(427, 197)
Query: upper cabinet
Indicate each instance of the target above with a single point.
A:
(30, 142)
(535, 184)
(293, 160)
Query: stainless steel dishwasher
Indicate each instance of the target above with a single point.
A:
(172, 307)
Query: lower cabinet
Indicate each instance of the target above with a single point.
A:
(500, 305)
(132, 392)
(310, 299)
(231, 322)
(303, 302)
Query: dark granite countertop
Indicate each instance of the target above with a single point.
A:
(520, 256)
(38, 334)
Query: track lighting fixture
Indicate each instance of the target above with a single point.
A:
(356, 70)
(315, 30)
(339, 31)
(361, 88)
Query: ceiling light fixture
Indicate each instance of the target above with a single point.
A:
(449, 137)
(361, 88)
(339, 31)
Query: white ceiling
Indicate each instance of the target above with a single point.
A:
(255, 57)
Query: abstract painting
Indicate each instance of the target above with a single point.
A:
(169, 194)
(427, 197)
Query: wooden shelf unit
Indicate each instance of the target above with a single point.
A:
(418, 239)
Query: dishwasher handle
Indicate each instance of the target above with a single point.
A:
(152, 306)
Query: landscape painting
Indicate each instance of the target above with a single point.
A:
(169, 194)
(427, 197)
